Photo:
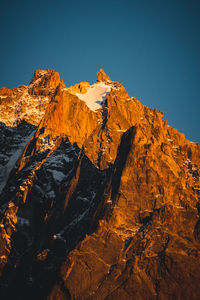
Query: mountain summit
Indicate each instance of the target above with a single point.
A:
(99, 195)
(102, 76)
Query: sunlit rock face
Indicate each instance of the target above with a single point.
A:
(100, 197)
(102, 76)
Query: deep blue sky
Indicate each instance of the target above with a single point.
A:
(151, 46)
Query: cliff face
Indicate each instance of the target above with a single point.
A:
(101, 196)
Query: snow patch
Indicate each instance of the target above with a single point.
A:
(51, 195)
(95, 95)
(58, 176)
(58, 236)
(12, 161)
(23, 106)
(23, 221)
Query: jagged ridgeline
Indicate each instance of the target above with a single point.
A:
(100, 197)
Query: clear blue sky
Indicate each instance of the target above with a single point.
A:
(151, 46)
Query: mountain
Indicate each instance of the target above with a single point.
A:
(100, 197)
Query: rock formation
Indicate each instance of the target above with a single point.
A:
(102, 76)
(100, 196)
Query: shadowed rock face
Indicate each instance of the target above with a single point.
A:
(96, 204)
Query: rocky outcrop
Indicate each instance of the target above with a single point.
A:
(29, 103)
(80, 88)
(101, 204)
(102, 76)
(44, 82)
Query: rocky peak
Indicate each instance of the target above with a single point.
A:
(29, 103)
(102, 76)
(109, 194)
(47, 79)
(44, 82)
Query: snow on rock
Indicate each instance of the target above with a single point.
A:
(22, 221)
(40, 75)
(58, 176)
(46, 142)
(95, 95)
(6, 170)
(51, 194)
(23, 106)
